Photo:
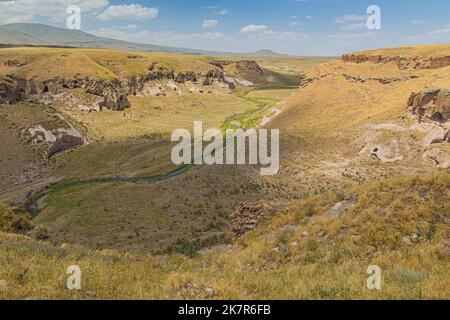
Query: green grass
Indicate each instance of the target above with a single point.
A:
(263, 99)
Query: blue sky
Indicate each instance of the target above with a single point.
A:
(301, 27)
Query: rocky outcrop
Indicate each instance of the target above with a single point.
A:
(241, 67)
(386, 152)
(58, 140)
(431, 104)
(380, 80)
(431, 107)
(113, 94)
(401, 62)
(246, 216)
(436, 135)
(440, 157)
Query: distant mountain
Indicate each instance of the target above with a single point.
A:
(43, 35)
(266, 53)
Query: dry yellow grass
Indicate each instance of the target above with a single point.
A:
(434, 50)
(277, 261)
(48, 63)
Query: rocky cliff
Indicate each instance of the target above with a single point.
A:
(112, 94)
(401, 62)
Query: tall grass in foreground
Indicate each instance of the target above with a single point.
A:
(314, 251)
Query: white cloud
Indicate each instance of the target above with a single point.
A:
(440, 34)
(288, 42)
(295, 22)
(55, 10)
(440, 31)
(222, 12)
(254, 28)
(358, 40)
(354, 27)
(350, 18)
(210, 23)
(419, 21)
(130, 27)
(128, 11)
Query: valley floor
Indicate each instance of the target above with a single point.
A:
(358, 186)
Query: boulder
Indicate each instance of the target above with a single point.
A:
(194, 89)
(440, 157)
(57, 139)
(154, 91)
(432, 104)
(436, 135)
(246, 216)
(245, 83)
(231, 82)
(236, 124)
(386, 152)
(171, 85)
(443, 105)
(65, 140)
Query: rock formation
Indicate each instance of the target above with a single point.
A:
(246, 216)
(58, 140)
(401, 62)
(431, 104)
(440, 157)
(113, 93)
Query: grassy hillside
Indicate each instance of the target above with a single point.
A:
(45, 35)
(48, 63)
(435, 50)
(311, 251)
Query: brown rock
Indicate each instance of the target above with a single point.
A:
(436, 135)
(443, 105)
(440, 157)
(246, 216)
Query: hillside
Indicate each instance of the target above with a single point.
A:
(43, 35)
(361, 119)
(311, 251)
(266, 53)
(435, 50)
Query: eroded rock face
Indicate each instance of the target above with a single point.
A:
(386, 152)
(243, 66)
(432, 104)
(440, 157)
(401, 62)
(436, 135)
(113, 94)
(443, 104)
(58, 140)
(246, 216)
